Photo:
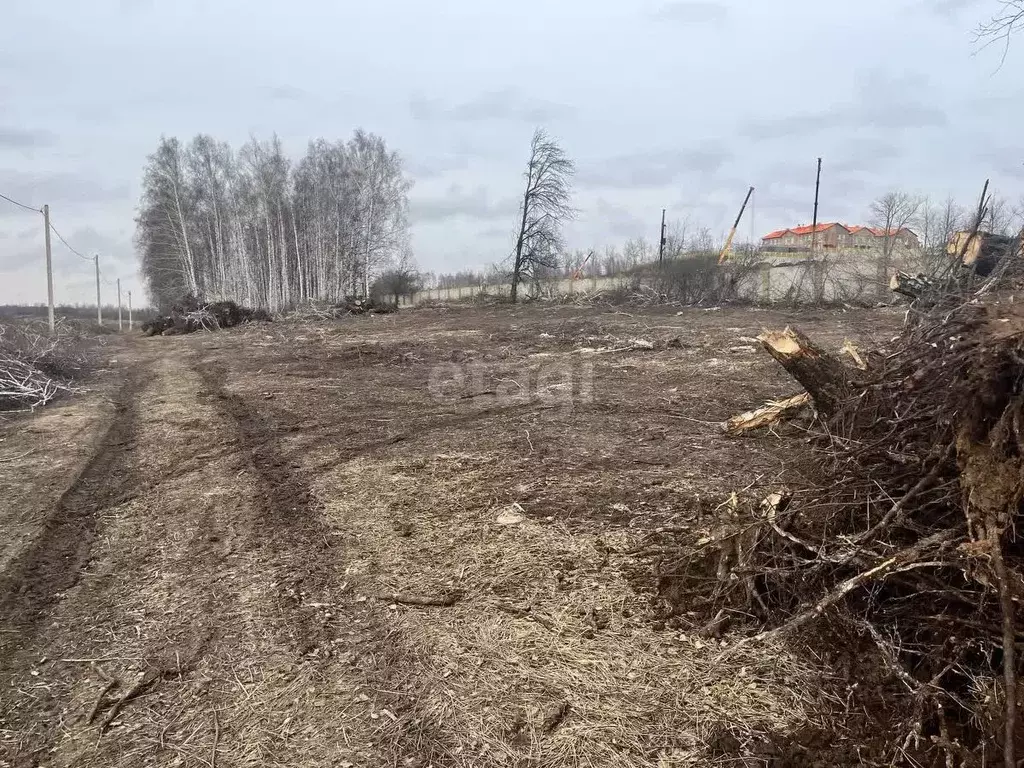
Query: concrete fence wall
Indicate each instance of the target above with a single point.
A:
(546, 289)
(839, 276)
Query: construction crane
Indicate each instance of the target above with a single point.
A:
(732, 232)
(577, 273)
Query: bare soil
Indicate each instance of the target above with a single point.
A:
(405, 540)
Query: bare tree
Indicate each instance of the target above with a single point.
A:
(703, 241)
(1000, 219)
(611, 260)
(544, 208)
(636, 252)
(1018, 215)
(892, 213)
(402, 279)
(676, 238)
(953, 219)
(1001, 27)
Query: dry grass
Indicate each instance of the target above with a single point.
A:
(549, 659)
(261, 603)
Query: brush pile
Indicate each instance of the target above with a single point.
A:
(355, 305)
(36, 368)
(191, 315)
(322, 311)
(898, 543)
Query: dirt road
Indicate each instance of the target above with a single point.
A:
(397, 541)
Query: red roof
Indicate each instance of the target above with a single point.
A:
(852, 229)
(804, 230)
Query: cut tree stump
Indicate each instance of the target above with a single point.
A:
(824, 377)
(769, 413)
(912, 286)
(980, 250)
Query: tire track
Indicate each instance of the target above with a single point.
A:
(36, 578)
(288, 527)
(307, 564)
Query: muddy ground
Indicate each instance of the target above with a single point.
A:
(406, 540)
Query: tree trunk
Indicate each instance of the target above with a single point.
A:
(366, 256)
(517, 268)
(824, 377)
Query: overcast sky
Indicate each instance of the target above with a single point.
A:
(680, 105)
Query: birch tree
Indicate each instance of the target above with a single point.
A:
(544, 208)
(253, 226)
(165, 222)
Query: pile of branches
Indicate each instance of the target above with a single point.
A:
(354, 305)
(899, 535)
(191, 315)
(901, 530)
(35, 367)
(323, 311)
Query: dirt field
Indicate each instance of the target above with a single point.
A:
(407, 540)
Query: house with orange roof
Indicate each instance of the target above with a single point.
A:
(834, 236)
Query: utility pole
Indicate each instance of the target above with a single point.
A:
(129, 310)
(814, 223)
(120, 326)
(49, 266)
(661, 241)
(99, 307)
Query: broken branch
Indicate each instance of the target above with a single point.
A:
(769, 413)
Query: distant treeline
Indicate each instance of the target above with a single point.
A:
(73, 311)
(255, 226)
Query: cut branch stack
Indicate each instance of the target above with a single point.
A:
(901, 534)
(192, 314)
(36, 368)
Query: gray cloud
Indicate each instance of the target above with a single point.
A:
(619, 220)
(893, 116)
(91, 240)
(459, 202)
(791, 125)
(22, 138)
(693, 12)
(948, 7)
(864, 154)
(426, 169)
(1004, 161)
(882, 100)
(497, 231)
(507, 104)
(652, 169)
(285, 92)
(130, 7)
(12, 259)
(59, 189)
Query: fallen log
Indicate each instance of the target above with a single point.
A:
(769, 413)
(824, 377)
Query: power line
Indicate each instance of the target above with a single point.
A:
(21, 205)
(67, 244)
